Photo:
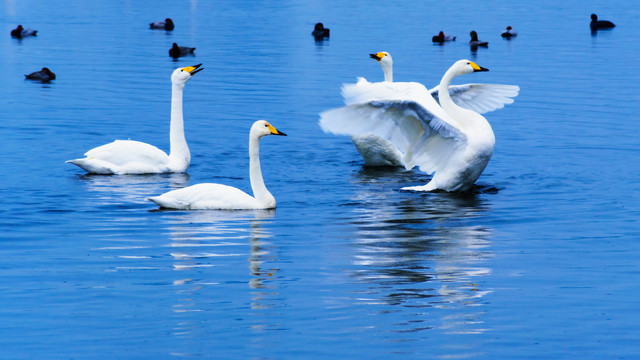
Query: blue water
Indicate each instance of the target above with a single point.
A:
(540, 262)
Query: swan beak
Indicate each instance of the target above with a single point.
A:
(193, 69)
(476, 67)
(376, 57)
(275, 131)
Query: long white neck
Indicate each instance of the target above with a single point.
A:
(468, 120)
(387, 68)
(260, 192)
(179, 155)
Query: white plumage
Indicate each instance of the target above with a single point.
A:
(135, 157)
(222, 197)
(375, 150)
(452, 142)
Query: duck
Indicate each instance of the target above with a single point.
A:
(44, 75)
(123, 157)
(376, 150)
(167, 24)
(509, 33)
(320, 32)
(474, 42)
(178, 51)
(21, 32)
(451, 142)
(600, 24)
(210, 196)
(442, 37)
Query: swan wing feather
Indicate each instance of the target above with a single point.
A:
(481, 98)
(426, 140)
(123, 152)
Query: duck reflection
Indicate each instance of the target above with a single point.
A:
(421, 250)
(111, 189)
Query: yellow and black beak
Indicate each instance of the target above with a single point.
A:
(193, 69)
(375, 57)
(476, 67)
(275, 131)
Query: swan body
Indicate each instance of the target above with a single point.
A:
(509, 33)
(178, 51)
(167, 24)
(600, 24)
(44, 75)
(376, 150)
(135, 157)
(21, 32)
(451, 142)
(222, 197)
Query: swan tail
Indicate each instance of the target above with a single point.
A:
(92, 166)
(168, 203)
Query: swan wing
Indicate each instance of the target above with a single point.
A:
(418, 127)
(206, 197)
(122, 152)
(480, 98)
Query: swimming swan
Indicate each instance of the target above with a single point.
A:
(134, 157)
(447, 140)
(222, 197)
(375, 150)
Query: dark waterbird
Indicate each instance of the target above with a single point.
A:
(21, 32)
(474, 42)
(600, 24)
(508, 33)
(320, 32)
(178, 51)
(442, 37)
(167, 24)
(44, 75)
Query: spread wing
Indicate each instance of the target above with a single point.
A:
(402, 113)
(480, 98)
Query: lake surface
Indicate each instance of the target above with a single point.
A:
(541, 261)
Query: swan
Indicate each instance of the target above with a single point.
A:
(44, 75)
(600, 24)
(375, 150)
(21, 32)
(178, 51)
(222, 197)
(167, 24)
(509, 33)
(134, 157)
(449, 141)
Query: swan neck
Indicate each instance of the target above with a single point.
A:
(388, 71)
(260, 192)
(179, 156)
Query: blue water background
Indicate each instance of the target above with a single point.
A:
(542, 261)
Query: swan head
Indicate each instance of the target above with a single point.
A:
(462, 67)
(262, 128)
(382, 57)
(180, 76)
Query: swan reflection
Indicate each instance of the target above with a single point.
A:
(119, 189)
(422, 251)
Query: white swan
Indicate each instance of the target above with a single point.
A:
(134, 157)
(376, 151)
(223, 197)
(450, 141)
